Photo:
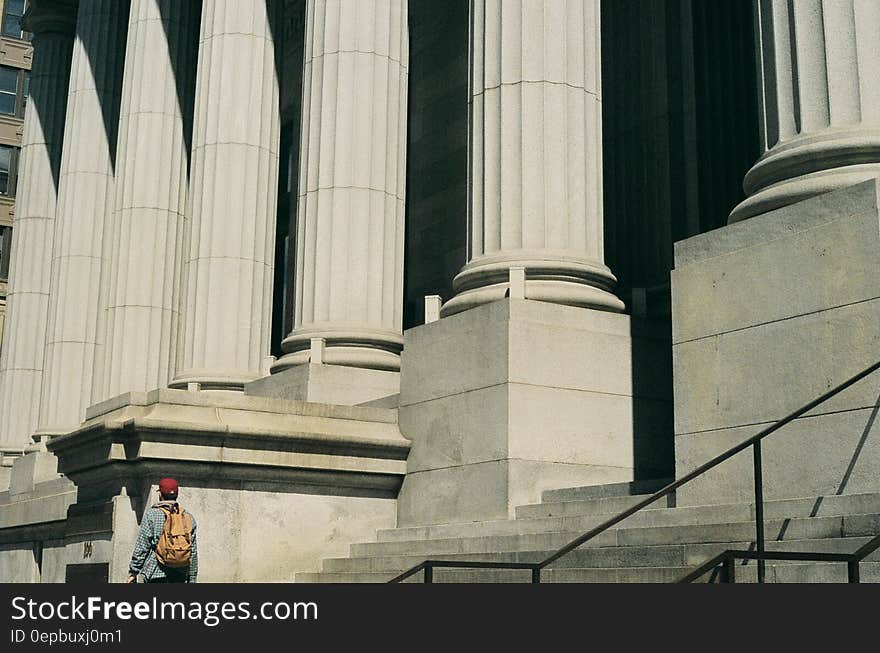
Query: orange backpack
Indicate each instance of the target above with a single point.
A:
(174, 548)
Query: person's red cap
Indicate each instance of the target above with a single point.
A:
(168, 487)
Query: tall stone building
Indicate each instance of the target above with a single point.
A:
(402, 270)
(16, 54)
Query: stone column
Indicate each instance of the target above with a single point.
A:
(819, 100)
(21, 366)
(536, 155)
(350, 220)
(84, 199)
(233, 194)
(146, 237)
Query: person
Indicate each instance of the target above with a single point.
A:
(143, 559)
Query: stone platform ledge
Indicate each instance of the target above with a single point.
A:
(220, 439)
(9, 455)
(47, 502)
(7, 460)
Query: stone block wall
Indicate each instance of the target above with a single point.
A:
(769, 314)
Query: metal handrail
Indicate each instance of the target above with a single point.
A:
(727, 559)
(759, 554)
(428, 567)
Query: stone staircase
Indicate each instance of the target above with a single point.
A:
(660, 544)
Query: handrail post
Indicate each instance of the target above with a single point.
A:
(429, 574)
(759, 511)
(852, 568)
(536, 575)
(729, 569)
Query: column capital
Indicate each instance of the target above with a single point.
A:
(44, 16)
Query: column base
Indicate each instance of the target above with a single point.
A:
(232, 380)
(808, 166)
(557, 278)
(8, 456)
(802, 188)
(375, 349)
(516, 397)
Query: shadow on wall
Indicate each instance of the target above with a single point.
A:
(653, 427)
(184, 67)
(437, 157)
(859, 447)
(93, 35)
(680, 129)
(183, 52)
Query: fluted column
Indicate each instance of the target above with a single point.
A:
(819, 95)
(24, 335)
(84, 201)
(350, 216)
(535, 155)
(233, 193)
(145, 240)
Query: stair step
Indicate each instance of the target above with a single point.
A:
(776, 573)
(687, 515)
(579, 523)
(601, 506)
(697, 554)
(834, 505)
(814, 506)
(787, 529)
(824, 572)
(804, 528)
(485, 544)
(666, 555)
(596, 575)
(657, 544)
(605, 491)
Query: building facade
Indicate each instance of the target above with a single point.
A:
(17, 54)
(346, 265)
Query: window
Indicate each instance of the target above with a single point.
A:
(8, 169)
(5, 169)
(5, 246)
(12, 19)
(8, 90)
(14, 90)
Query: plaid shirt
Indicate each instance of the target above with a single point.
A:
(144, 561)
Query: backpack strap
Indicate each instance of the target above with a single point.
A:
(187, 522)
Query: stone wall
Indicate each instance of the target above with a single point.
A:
(33, 512)
(769, 314)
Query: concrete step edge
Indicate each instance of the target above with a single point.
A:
(607, 490)
(771, 526)
(388, 535)
(811, 571)
(691, 554)
(658, 505)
